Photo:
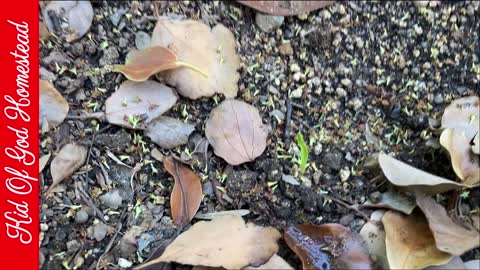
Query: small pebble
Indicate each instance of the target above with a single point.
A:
(346, 82)
(344, 174)
(290, 179)
(272, 90)
(318, 149)
(297, 93)
(285, 49)
(112, 199)
(341, 92)
(124, 263)
(81, 216)
(277, 114)
(438, 99)
(100, 231)
(142, 40)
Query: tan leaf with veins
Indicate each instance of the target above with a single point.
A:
(464, 162)
(449, 236)
(236, 132)
(210, 50)
(223, 242)
(410, 243)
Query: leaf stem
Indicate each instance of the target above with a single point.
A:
(183, 64)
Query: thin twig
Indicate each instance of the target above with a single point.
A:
(288, 119)
(112, 240)
(351, 207)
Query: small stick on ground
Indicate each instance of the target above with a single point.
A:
(112, 240)
(346, 205)
(288, 120)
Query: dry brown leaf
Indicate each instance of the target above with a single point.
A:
(69, 159)
(211, 51)
(455, 263)
(449, 236)
(410, 243)
(186, 194)
(168, 132)
(53, 107)
(465, 163)
(223, 242)
(394, 200)
(77, 14)
(140, 65)
(463, 114)
(286, 8)
(275, 262)
(374, 235)
(136, 104)
(314, 243)
(413, 179)
(461, 121)
(236, 132)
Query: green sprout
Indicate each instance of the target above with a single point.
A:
(133, 120)
(302, 161)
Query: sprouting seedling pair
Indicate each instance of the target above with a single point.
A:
(140, 65)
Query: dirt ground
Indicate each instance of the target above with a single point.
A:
(354, 78)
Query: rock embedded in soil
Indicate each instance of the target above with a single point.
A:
(112, 199)
(268, 23)
(142, 40)
(110, 56)
(81, 216)
(285, 49)
(100, 231)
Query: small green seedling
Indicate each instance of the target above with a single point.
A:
(302, 161)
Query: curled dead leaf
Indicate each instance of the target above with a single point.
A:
(315, 244)
(461, 121)
(449, 236)
(412, 179)
(186, 194)
(136, 104)
(465, 162)
(211, 51)
(53, 107)
(463, 114)
(223, 242)
(286, 8)
(374, 235)
(236, 132)
(69, 159)
(410, 243)
(140, 65)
